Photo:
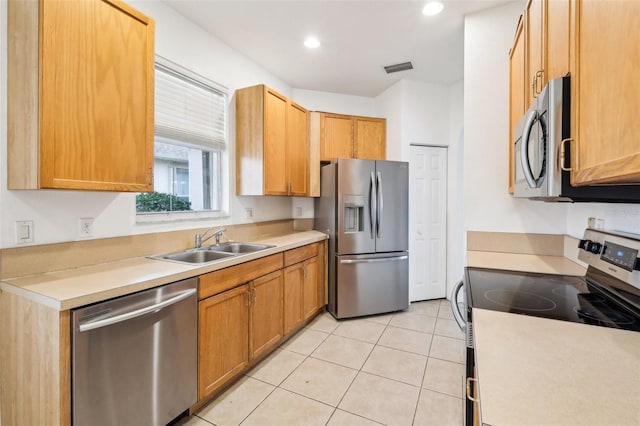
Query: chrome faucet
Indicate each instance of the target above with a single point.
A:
(200, 238)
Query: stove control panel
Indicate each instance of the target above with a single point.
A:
(619, 255)
(613, 253)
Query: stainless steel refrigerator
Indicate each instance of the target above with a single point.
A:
(363, 207)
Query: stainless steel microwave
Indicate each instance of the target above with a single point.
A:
(539, 153)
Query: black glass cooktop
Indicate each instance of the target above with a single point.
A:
(561, 297)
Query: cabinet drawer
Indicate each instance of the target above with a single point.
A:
(301, 253)
(227, 278)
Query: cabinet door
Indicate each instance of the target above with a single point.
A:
(311, 275)
(266, 313)
(275, 152)
(297, 149)
(605, 88)
(557, 36)
(517, 91)
(96, 124)
(534, 24)
(370, 138)
(293, 296)
(223, 338)
(336, 137)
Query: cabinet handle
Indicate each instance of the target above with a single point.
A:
(563, 155)
(254, 294)
(540, 75)
(469, 396)
(534, 83)
(248, 298)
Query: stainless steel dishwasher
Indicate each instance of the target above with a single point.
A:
(134, 358)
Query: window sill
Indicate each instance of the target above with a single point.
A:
(172, 217)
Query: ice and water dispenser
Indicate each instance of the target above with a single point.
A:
(354, 213)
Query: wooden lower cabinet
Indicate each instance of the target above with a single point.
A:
(246, 310)
(303, 285)
(293, 290)
(223, 338)
(310, 294)
(265, 326)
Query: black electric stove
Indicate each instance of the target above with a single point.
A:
(561, 297)
(608, 295)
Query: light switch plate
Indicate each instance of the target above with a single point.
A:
(24, 231)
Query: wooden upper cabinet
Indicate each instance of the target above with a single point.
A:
(81, 81)
(347, 136)
(547, 24)
(275, 143)
(557, 39)
(370, 138)
(336, 137)
(534, 24)
(272, 145)
(604, 93)
(298, 149)
(517, 91)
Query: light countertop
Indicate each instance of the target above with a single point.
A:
(535, 371)
(525, 262)
(72, 288)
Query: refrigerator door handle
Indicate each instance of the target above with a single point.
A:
(381, 259)
(373, 203)
(380, 210)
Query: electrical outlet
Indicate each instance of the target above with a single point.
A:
(86, 227)
(248, 213)
(24, 231)
(298, 211)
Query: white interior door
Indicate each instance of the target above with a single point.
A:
(427, 222)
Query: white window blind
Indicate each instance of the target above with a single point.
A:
(188, 111)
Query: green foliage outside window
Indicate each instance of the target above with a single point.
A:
(160, 202)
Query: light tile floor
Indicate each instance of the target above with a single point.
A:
(404, 368)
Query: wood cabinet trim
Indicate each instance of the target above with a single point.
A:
(227, 278)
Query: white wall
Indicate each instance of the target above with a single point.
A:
(617, 217)
(56, 213)
(487, 204)
(337, 103)
(390, 104)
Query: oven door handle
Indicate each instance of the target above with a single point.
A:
(455, 308)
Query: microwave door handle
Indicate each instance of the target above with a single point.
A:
(373, 203)
(532, 117)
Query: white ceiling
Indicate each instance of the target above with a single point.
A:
(358, 38)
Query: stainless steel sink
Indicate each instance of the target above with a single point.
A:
(238, 248)
(194, 256)
(210, 254)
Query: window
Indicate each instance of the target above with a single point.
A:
(190, 143)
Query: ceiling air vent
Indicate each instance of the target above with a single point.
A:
(398, 67)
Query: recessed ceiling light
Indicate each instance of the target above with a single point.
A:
(432, 8)
(312, 42)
